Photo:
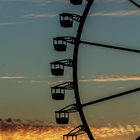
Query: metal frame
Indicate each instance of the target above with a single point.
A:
(78, 106)
(79, 130)
(70, 15)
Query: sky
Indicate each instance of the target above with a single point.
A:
(26, 31)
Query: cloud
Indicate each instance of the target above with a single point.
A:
(14, 23)
(120, 13)
(132, 12)
(98, 79)
(36, 2)
(110, 131)
(27, 129)
(36, 81)
(39, 15)
(112, 78)
(11, 77)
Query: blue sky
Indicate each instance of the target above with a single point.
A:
(26, 31)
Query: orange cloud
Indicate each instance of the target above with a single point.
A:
(30, 130)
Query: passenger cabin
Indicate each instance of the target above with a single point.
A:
(66, 20)
(58, 93)
(62, 117)
(59, 44)
(76, 2)
(69, 137)
(57, 68)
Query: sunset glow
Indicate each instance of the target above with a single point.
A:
(17, 130)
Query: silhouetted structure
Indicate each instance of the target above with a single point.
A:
(138, 138)
(76, 2)
(66, 19)
(59, 44)
(58, 91)
(57, 69)
(79, 130)
(62, 116)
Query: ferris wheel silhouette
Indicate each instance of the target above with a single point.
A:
(57, 69)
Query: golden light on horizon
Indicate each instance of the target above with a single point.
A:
(32, 131)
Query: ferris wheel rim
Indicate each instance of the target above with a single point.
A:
(75, 76)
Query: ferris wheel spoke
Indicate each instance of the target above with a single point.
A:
(136, 4)
(110, 46)
(111, 97)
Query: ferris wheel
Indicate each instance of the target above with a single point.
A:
(57, 69)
